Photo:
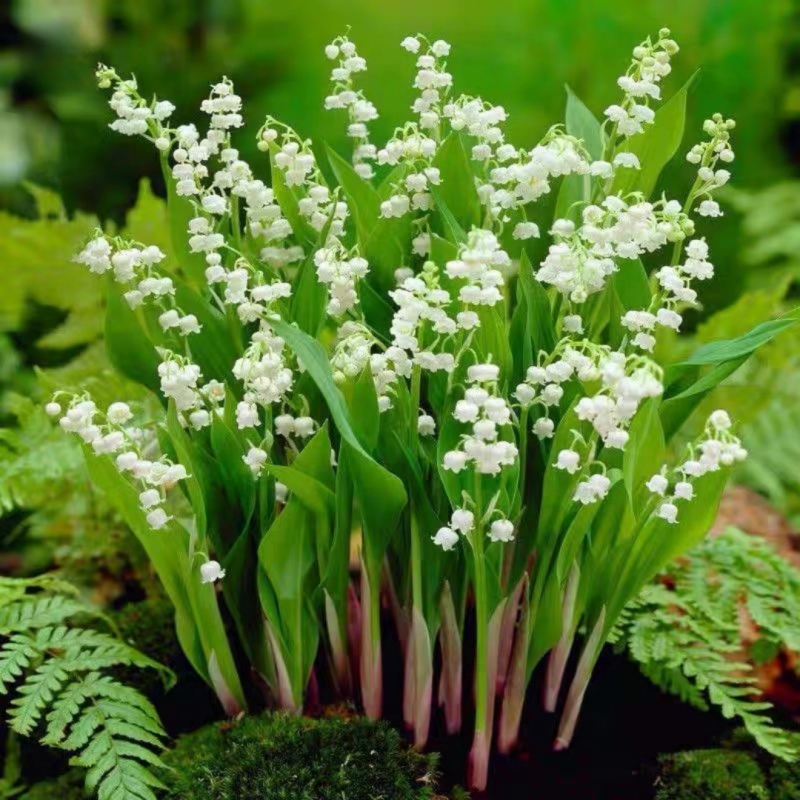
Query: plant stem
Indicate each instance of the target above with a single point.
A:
(481, 616)
(523, 449)
(416, 563)
(416, 387)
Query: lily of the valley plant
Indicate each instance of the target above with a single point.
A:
(424, 352)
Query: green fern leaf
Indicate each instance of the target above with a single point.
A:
(54, 671)
(687, 638)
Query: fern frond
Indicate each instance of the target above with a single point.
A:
(687, 639)
(55, 671)
(16, 655)
(40, 612)
(37, 692)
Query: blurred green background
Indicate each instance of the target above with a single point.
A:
(53, 121)
(518, 53)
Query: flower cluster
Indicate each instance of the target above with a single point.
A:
(136, 265)
(480, 120)
(675, 281)
(480, 263)
(432, 80)
(718, 447)
(483, 449)
(265, 374)
(708, 155)
(352, 351)
(135, 117)
(416, 143)
(344, 96)
(516, 178)
(582, 257)
(111, 434)
(339, 270)
(625, 382)
(651, 63)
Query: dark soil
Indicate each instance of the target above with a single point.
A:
(625, 724)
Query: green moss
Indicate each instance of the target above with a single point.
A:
(711, 775)
(279, 757)
(150, 627)
(68, 786)
(784, 781)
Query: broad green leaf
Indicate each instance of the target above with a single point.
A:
(457, 192)
(201, 631)
(188, 455)
(147, 222)
(644, 454)
(533, 320)
(362, 199)
(730, 349)
(659, 542)
(336, 578)
(364, 410)
(129, 347)
(229, 447)
(686, 384)
(656, 146)
(309, 297)
(491, 340)
(582, 123)
(629, 290)
(180, 211)
(370, 479)
(288, 554)
(387, 247)
(452, 228)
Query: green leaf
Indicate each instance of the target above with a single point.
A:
(199, 625)
(656, 146)
(309, 298)
(180, 210)
(582, 123)
(533, 317)
(186, 452)
(452, 228)
(457, 193)
(230, 446)
(364, 410)
(129, 347)
(686, 384)
(288, 555)
(644, 454)
(362, 199)
(730, 349)
(370, 479)
(147, 222)
(630, 290)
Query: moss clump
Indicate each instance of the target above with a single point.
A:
(149, 626)
(784, 781)
(68, 786)
(711, 775)
(280, 757)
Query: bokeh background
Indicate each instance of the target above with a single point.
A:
(518, 53)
